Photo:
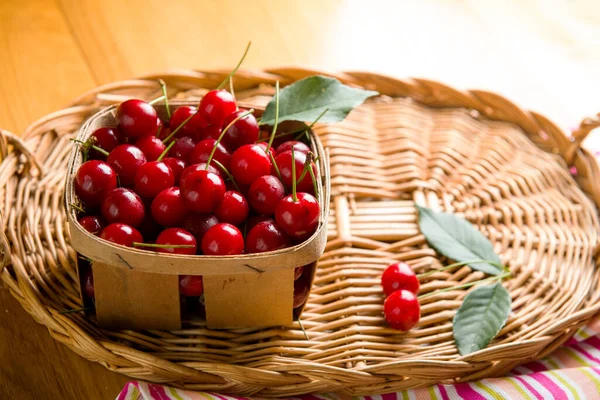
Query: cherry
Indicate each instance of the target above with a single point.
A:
(179, 116)
(123, 205)
(298, 218)
(399, 276)
(151, 146)
(249, 163)
(401, 310)
(149, 228)
(255, 219)
(198, 224)
(125, 159)
(264, 145)
(243, 131)
(223, 240)
(210, 132)
(203, 149)
(197, 167)
(106, 139)
(168, 207)
(121, 234)
(177, 166)
(202, 191)
(216, 105)
(266, 236)
(287, 146)
(301, 290)
(177, 237)
(152, 178)
(136, 118)
(233, 208)
(191, 285)
(182, 148)
(284, 162)
(93, 179)
(298, 272)
(88, 283)
(92, 224)
(265, 193)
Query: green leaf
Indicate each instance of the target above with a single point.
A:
(457, 239)
(480, 317)
(306, 99)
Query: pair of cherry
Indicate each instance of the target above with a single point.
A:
(401, 308)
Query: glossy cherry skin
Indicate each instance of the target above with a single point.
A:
(88, 283)
(298, 272)
(179, 116)
(265, 193)
(255, 219)
(199, 224)
(264, 145)
(125, 159)
(203, 149)
(121, 234)
(301, 290)
(177, 166)
(399, 276)
(243, 131)
(284, 162)
(216, 105)
(402, 310)
(249, 163)
(198, 167)
(287, 146)
(266, 236)
(123, 205)
(182, 148)
(176, 236)
(223, 239)
(210, 132)
(300, 218)
(202, 191)
(191, 285)
(152, 178)
(93, 180)
(151, 146)
(136, 119)
(106, 139)
(233, 208)
(92, 224)
(168, 207)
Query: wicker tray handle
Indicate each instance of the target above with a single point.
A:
(585, 127)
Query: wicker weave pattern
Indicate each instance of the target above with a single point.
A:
(421, 142)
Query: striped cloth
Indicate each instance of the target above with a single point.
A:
(571, 372)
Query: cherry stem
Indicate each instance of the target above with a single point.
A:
(232, 91)
(78, 208)
(163, 87)
(214, 149)
(294, 197)
(274, 132)
(159, 130)
(236, 68)
(76, 310)
(466, 285)
(156, 100)
(229, 176)
(164, 246)
(314, 182)
(177, 129)
(166, 151)
(460, 264)
(89, 145)
(275, 166)
(307, 164)
(303, 330)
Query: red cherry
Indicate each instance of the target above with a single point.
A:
(249, 163)
(179, 116)
(284, 162)
(203, 149)
(299, 218)
(202, 191)
(92, 224)
(233, 208)
(94, 179)
(106, 139)
(301, 290)
(243, 131)
(266, 236)
(198, 224)
(149, 228)
(152, 178)
(168, 207)
(123, 205)
(176, 236)
(223, 240)
(399, 276)
(177, 166)
(298, 272)
(210, 132)
(216, 105)
(151, 146)
(264, 145)
(402, 310)
(136, 119)
(191, 285)
(125, 159)
(88, 283)
(265, 193)
(121, 234)
(197, 167)
(287, 146)
(255, 219)
(182, 148)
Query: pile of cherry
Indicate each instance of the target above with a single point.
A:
(206, 181)
(401, 308)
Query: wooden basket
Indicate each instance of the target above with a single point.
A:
(138, 289)
(473, 153)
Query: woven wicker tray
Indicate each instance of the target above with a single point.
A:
(472, 153)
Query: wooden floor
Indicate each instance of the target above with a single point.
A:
(543, 54)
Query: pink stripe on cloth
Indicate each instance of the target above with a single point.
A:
(529, 388)
(466, 392)
(443, 392)
(549, 384)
